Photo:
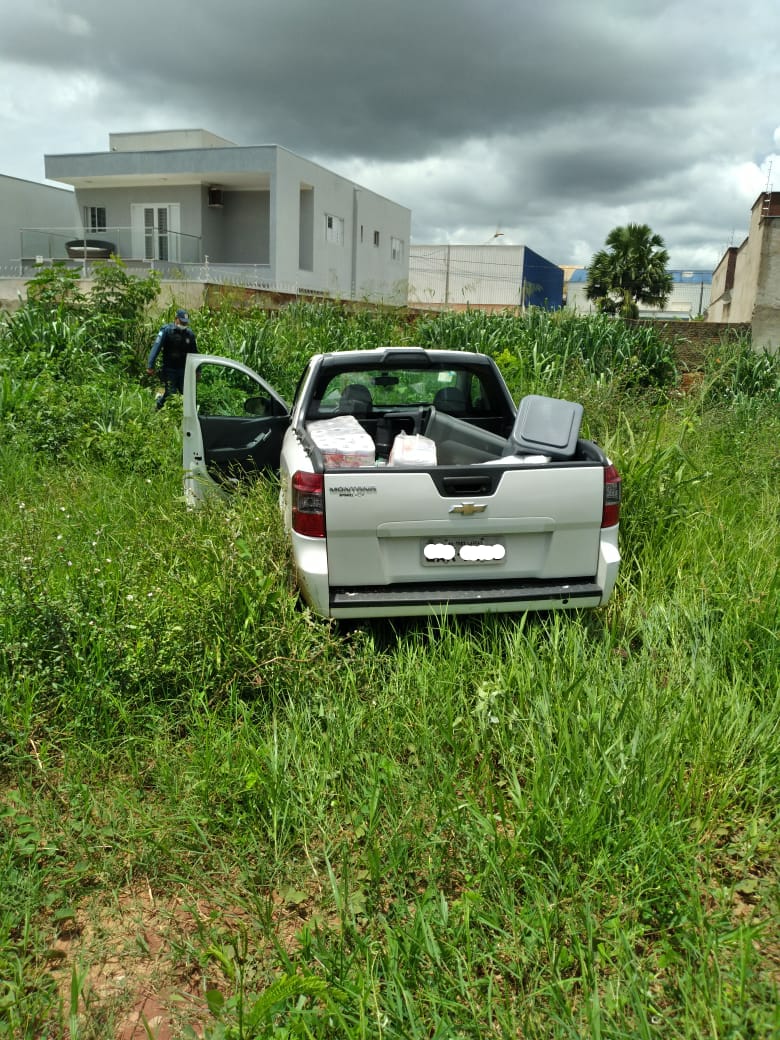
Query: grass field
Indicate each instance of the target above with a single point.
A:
(222, 817)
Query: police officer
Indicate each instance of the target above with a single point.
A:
(176, 340)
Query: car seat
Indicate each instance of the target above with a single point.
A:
(356, 400)
(450, 399)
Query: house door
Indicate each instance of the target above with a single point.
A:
(155, 231)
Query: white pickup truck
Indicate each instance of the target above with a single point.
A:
(410, 482)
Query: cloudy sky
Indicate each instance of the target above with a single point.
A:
(513, 121)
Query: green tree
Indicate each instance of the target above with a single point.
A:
(630, 271)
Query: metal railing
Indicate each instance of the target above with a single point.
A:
(150, 248)
(185, 261)
(41, 247)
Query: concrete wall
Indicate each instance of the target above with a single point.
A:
(157, 140)
(766, 312)
(118, 202)
(290, 174)
(350, 266)
(722, 284)
(274, 211)
(173, 294)
(379, 276)
(236, 232)
(739, 303)
(746, 271)
(240, 232)
(26, 204)
(746, 283)
(175, 165)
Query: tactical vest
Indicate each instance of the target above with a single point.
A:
(177, 344)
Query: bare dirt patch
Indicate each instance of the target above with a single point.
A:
(140, 957)
(144, 960)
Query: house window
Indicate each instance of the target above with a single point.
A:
(396, 248)
(95, 218)
(376, 239)
(334, 229)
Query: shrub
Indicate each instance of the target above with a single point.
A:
(60, 326)
(56, 288)
(735, 369)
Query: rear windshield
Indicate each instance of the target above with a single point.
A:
(385, 389)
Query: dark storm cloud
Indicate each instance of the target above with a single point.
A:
(554, 120)
(598, 172)
(387, 80)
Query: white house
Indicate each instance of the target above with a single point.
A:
(198, 206)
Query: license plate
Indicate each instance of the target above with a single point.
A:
(459, 551)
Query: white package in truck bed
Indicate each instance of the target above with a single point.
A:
(343, 442)
(412, 450)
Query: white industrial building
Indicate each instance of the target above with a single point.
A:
(486, 277)
(689, 298)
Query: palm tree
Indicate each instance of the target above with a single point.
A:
(631, 271)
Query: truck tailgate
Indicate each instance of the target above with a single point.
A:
(390, 525)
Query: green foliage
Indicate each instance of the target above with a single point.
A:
(62, 327)
(117, 302)
(118, 294)
(630, 271)
(544, 351)
(735, 369)
(97, 421)
(250, 1016)
(560, 825)
(56, 288)
(61, 346)
(279, 343)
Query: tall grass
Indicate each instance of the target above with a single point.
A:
(279, 343)
(540, 349)
(538, 352)
(558, 825)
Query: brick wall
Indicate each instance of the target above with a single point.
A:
(692, 339)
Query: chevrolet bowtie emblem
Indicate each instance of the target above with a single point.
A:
(468, 508)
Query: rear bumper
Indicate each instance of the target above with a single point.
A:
(409, 599)
(463, 598)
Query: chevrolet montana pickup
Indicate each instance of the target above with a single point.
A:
(411, 483)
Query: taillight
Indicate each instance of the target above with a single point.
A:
(308, 504)
(611, 511)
